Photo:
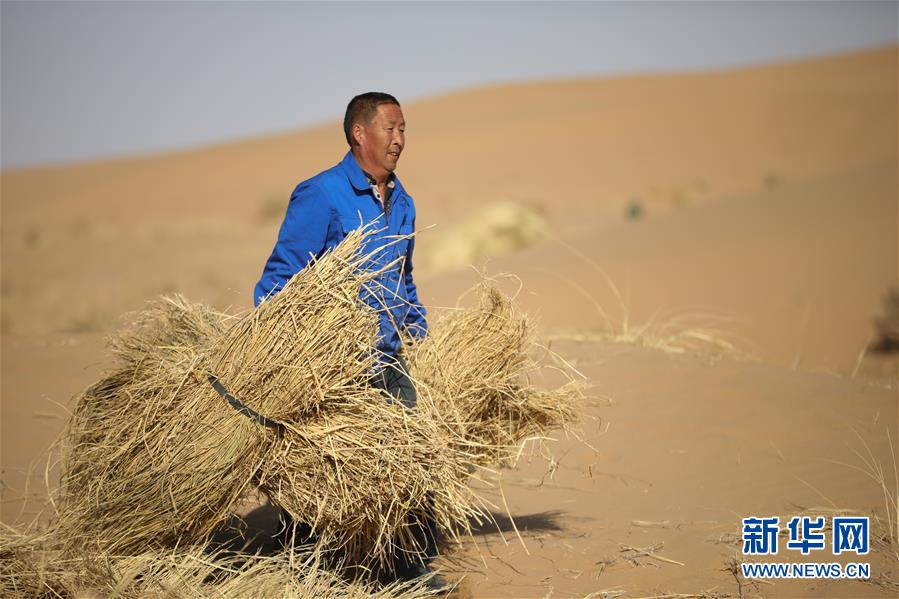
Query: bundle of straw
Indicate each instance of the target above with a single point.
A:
(31, 567)
(149, 458)
(154, 457)
(475, 366)
(378, 471)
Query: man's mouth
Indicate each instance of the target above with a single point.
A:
(394, 154)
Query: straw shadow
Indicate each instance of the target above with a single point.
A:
(537, 522)
(264, 531)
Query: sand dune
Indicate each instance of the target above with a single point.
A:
(764, 196)
(794, 276)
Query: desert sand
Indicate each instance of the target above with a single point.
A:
(757, 208)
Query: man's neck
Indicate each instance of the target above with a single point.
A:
(380, 176)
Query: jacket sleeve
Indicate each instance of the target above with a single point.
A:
(303, 235)
(416, 324)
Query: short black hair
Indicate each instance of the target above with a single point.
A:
(363, 108)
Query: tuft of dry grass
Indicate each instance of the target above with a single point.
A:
(885, 527)
(498, 227)
(694, 332)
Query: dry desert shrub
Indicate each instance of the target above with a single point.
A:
(888, 324)
(499, 227)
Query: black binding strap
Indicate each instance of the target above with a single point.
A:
(240, 407)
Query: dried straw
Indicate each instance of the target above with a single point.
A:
(31, 567)
(366, 471)
(475, 366)
(154, 458)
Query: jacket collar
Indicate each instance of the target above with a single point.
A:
(354, 172)
(357, 176)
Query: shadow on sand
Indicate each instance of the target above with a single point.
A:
(537, 522)
(266, 530)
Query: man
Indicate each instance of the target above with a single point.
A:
(362, 189)
(359, 190)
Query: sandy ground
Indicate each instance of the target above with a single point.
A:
(684, 449)
(766, 214)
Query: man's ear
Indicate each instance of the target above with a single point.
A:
(358, 132)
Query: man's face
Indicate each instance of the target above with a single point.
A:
(381, 142)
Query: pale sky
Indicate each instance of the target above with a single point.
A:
(87, 80)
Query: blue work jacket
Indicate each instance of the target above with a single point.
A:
(321, 212)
